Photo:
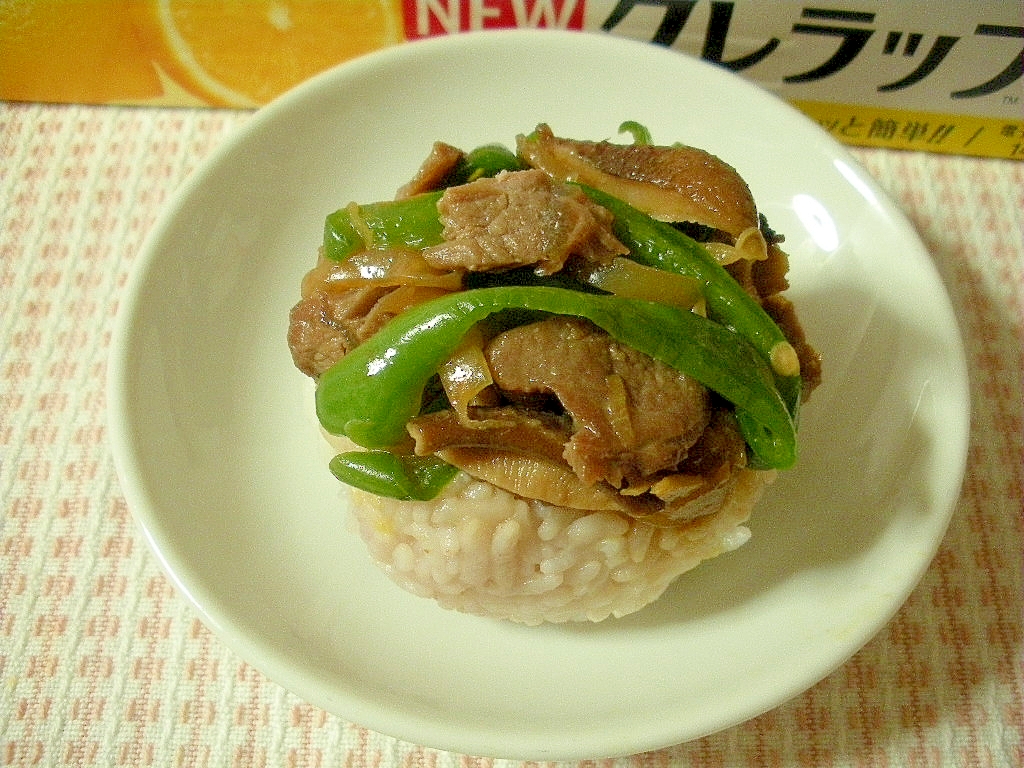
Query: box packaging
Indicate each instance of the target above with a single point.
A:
(933, 76)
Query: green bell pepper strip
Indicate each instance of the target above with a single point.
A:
(409, 478)
(640, 133)
(657, 244)
(412, 222)
(488, 160)
(372, 392)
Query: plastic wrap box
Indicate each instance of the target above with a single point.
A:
(933, 76)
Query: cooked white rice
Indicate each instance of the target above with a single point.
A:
(482, 550)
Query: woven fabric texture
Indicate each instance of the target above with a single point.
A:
(103, 663)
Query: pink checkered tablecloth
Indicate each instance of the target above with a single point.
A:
(103, 663)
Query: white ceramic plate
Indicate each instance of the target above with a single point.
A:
(217, 447)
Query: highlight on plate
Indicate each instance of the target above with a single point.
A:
(555, 377)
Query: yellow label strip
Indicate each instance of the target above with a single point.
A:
(926, 131)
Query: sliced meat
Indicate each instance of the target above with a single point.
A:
(344, 303)
(439, 165)
(676, 183)
(721, 448)
(326, 325)
(633, 416)
(517, 219)
(536, 433)
(705, 477)
(534, 477)
(765, 280)
(520, 451)
(769, 275)
(764, 277)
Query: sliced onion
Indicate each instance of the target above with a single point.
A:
(678, 487)
(387, 268)
(405, 297)
(466, 374)
(750, 245)
(533, 478)
(715, 196)
(625, 277)
(317, 276)
(617, 409)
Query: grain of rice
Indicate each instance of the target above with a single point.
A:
(638, 541)
(403, 558)
(558, 563)
(669, 538)
(505, 537)
(587, 573)
(611, 549)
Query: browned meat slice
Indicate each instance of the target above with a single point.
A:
(632, 416)
(765, 277)
(517, 219)
(554, 482)
(536, 433)
(325, 325)
(440, 163)
(708, 473)
(669, 183)
(720, 450)
(770, 274)
(344, 303)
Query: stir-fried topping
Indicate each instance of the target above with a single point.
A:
(546, 322)
(676, 183)
(520, 219)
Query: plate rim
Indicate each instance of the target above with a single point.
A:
(138, 496)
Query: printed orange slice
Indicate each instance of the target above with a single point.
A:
(243, 53)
